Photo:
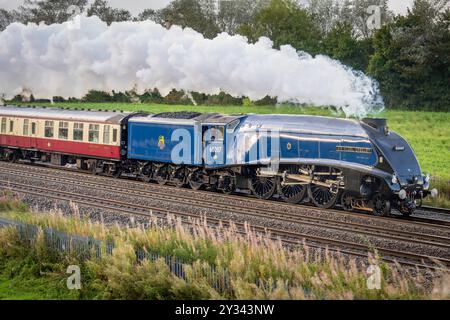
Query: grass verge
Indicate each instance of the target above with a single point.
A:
(255, 267)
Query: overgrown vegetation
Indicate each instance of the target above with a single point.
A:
(257, 268)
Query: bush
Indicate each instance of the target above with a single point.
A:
(97, 96)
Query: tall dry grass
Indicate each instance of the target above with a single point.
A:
(250, 266)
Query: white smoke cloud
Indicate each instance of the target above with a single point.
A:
(70, 59)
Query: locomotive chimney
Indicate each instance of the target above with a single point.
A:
(378, 124)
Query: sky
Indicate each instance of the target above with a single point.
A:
(137, 6)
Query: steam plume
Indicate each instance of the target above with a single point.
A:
(72, 58)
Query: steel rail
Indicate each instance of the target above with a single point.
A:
(286, 237)
(367, 230)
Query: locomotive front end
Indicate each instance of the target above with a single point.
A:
(405, 180)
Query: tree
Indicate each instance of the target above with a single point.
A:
(327, 13)
(147, 14)
(189, 13)
(49, 11)
(232, 14)
(357, 13)
(5, 19)
(284, 22)
(100, 9)
(341, 43)
(411, 59)
(97, 96)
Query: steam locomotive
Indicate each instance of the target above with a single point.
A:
(359, 165)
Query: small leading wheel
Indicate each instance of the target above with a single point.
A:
(347, 202)
(380, 205)
(322, 197)
(407, 210)
(195, 180)
(292, 193)
(263, 188)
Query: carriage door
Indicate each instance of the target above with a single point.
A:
(214, 145)
(33, 133)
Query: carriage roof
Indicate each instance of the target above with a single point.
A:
(62, 114)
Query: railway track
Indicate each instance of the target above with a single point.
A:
(287, 237)
(291, 217)
(437, 210)
(418, 221)
(293, 238)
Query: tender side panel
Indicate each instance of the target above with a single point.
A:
(153, 142)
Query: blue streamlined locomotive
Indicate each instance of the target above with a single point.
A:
(360, 165)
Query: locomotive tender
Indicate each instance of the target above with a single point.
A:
(360, 165)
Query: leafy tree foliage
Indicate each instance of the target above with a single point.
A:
(341, 43)
(189, 13)
(101, 9)
(232, 14)
(411, 59)
(147, 14)
(48, 11)
(5, 19)
(284, 22)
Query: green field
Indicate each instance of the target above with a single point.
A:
(427, 132)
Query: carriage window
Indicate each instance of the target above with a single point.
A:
(49, 132)
(114, 135)
(63, 130)
(94, 132)
(106, 131)
(26, 123)
(11, 126)
(3, 125)
(33, 128)
(78, 131)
